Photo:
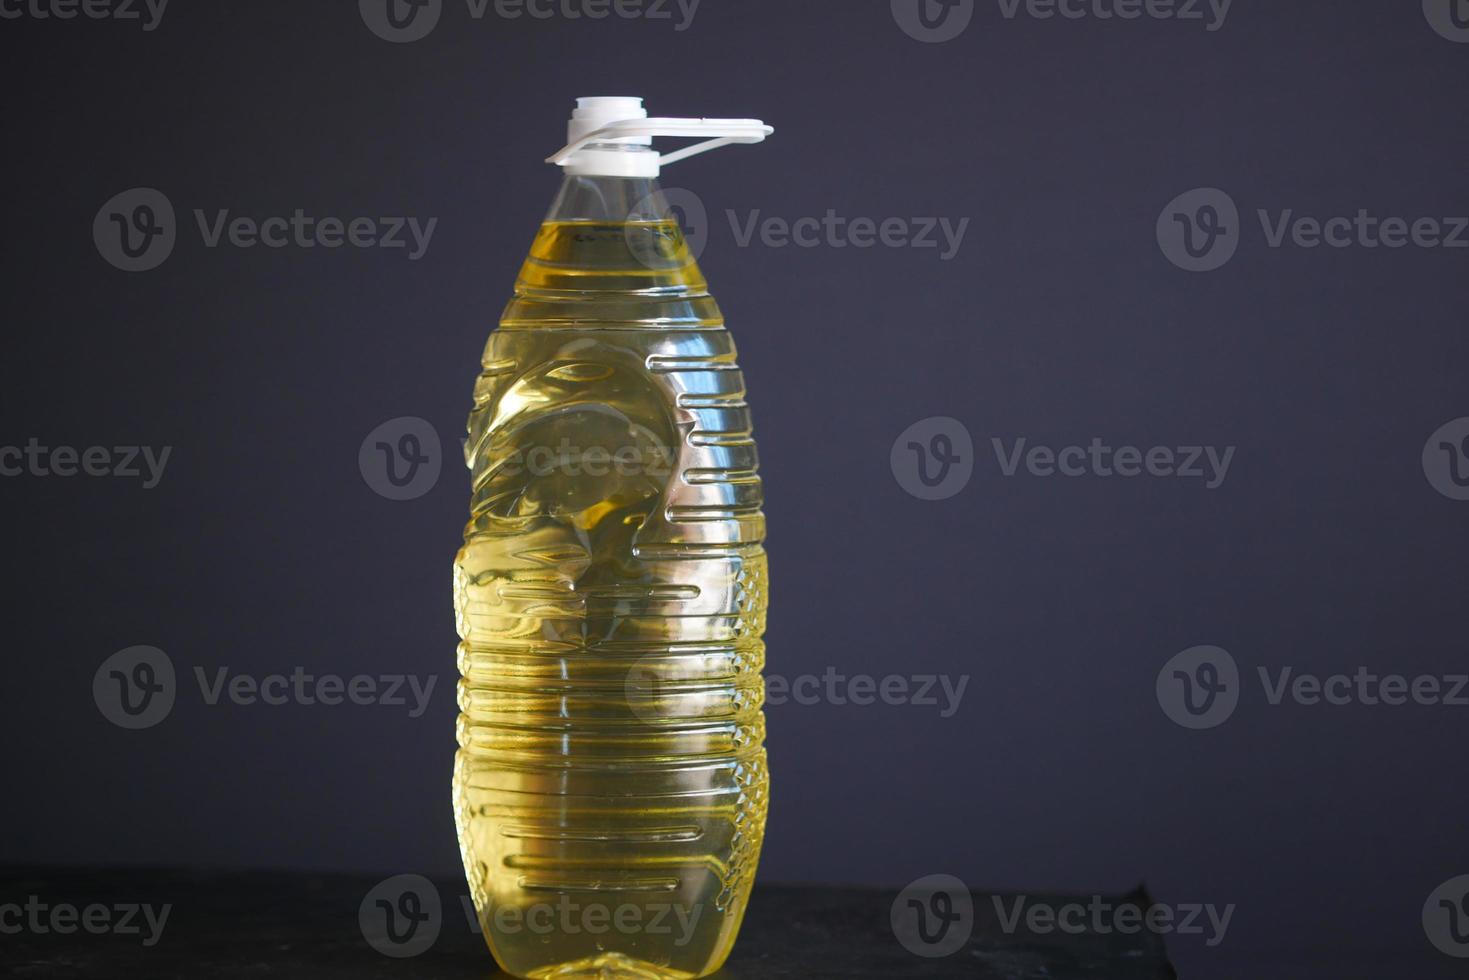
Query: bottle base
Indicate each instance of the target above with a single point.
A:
(608, 966)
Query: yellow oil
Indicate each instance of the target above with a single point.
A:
(610, 786)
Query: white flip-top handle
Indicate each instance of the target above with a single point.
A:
(719, 132)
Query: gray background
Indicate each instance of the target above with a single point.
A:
(1060, 320)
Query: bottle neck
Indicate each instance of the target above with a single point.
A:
(609, 200)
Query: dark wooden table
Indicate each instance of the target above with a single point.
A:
(275, 925)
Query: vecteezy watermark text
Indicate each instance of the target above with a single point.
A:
(148, 12)
(1207, 463)
(300, 687)
(123, 462)
(1201, 230)
(567, 917)
(934, 459)
(647, 457)
(680, 13)
(646, 688)
(136, 688)
(936, 21)
(305, 231)
(136, 230)
(403, 917)
(942, 235)
(835, 231)
(1201, 687)
(1100, 916)
(39, 918)
(404, 21)
(835, 688)
(1211, 13)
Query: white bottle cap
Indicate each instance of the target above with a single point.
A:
(594, 112)
(621, 120)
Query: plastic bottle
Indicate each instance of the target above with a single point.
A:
(610, 786)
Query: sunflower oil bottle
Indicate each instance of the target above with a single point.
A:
(610, 786)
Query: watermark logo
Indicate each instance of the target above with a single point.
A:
(401, 459)
(1446, 459)
(148, 12)
(645, 686)
(933, 21)
(135, 230)
(1446, 917)
(934, 916)
(649, 238)
(401, 21)
(655, 685)
(135, 688)
(1199, 688)
(1450, 18)
(1199, 230)
(656, 247)
(401, 917)
(40, 918)
(1102, 917)
(933, 459)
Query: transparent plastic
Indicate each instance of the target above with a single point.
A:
(610, 786)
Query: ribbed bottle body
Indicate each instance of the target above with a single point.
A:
(610, 786)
